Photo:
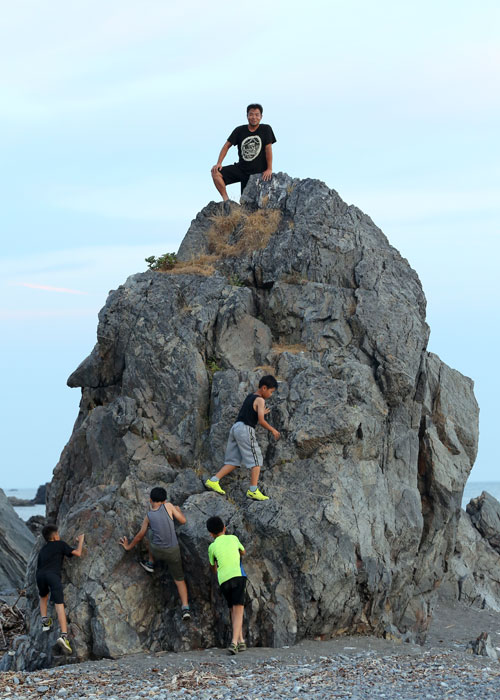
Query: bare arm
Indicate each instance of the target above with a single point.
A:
(78, 551)
(266, 175)
(178, 514)
(260, 407)
(130, 545)
(225, 148)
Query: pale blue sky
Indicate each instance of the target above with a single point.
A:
(112, 114)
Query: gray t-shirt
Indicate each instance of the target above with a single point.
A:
(162, 528)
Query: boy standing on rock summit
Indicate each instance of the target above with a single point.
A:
(48, 579)
(242, 446)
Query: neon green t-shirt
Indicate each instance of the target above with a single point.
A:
(225, 550)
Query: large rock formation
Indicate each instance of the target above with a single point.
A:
(16, 543)
(378, 436)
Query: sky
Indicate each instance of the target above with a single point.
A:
(112, 114)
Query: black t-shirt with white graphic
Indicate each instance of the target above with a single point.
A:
(51, 556)
(252, 147)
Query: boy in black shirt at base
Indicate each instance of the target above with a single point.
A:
(48, 579)
(242, 447)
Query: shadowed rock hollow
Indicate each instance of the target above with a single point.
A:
(378, 435)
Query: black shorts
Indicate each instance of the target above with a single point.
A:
(233, 590)
(234, 173)
(47, 582)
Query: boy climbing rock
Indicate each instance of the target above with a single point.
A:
(242, 447)
(163, 543)
(224, 555)
(48, 579)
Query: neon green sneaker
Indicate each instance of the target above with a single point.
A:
(257, 495)
(215, 486)
(64, 644)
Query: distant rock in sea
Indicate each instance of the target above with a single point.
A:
(41, 495)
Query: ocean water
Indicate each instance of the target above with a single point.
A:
(25, 512)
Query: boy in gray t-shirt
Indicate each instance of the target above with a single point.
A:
(163, 544)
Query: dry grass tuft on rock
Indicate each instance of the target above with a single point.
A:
(241, 232)
(203, 265)
(230, 235)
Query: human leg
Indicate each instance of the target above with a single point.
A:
(172, 557)
(183, 592)
(251, 458)
(61, 617)
(220, 185)
(223, 471)
(254, 476)
(149, 563)
(232, 459)
(233, 591)
(44, 600)
(237, 623)
(228, 175)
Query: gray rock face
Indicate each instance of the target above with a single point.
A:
(484, 513)
(473, 568)
(16, 543)
(378, 436)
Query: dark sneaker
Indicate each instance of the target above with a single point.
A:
(64, 644)
(227, 206)
(242, 646)
(186, 613)
(148, 566)
(46, 623)
(233, 648)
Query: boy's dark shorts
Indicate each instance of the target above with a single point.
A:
(233, 590)
(233, 173)
(172, 557)
(48, 582)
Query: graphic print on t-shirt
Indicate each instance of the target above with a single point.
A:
(251, 147)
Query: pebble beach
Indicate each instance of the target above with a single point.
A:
(262, 675)
(360, 668)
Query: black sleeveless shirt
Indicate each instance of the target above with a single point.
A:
(247, 415)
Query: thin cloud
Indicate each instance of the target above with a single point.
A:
(48, 288)
(33, 314)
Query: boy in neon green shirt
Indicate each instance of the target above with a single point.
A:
(224, 555)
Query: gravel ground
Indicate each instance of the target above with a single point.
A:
(264, 674)
(347, 667)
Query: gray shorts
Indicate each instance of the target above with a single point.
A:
(242, 447)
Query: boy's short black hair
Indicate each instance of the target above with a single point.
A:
(268, 381)
(215, 525)
(255, 105)
(158, 494)
(48, 531)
